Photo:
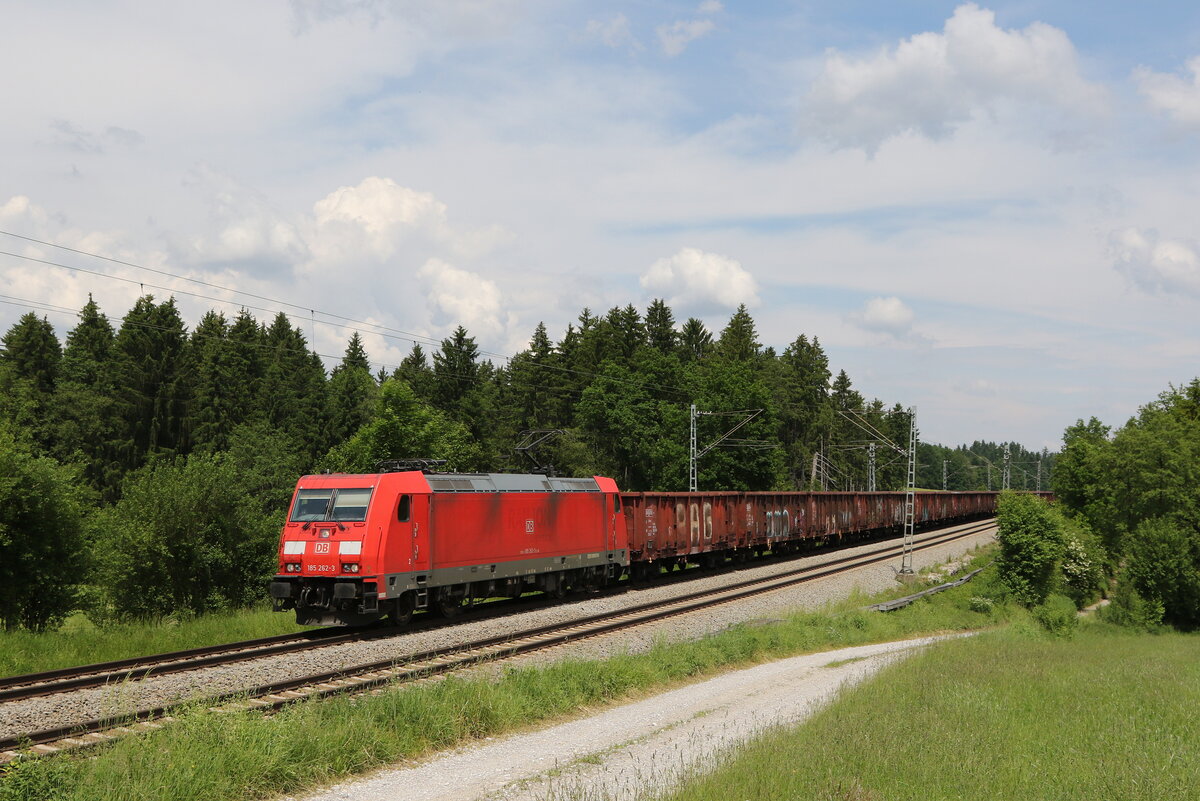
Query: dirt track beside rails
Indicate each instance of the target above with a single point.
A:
(627, 750)
(631, 749)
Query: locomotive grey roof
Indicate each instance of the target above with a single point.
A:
(508, 482)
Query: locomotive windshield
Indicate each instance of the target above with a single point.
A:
(346, 504)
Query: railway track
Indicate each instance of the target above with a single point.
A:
(52, 682)
(431, 663)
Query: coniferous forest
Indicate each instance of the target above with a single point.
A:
(146, 468)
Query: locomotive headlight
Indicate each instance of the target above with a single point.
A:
(349, 567)
(292, 567)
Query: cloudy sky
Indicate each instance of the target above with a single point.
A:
(988, 211)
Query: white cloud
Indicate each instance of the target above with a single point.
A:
(460, 297)
(20, 208)
(675, 38)
(889, 316)
(710, 7)
(1157, 265)
(696, 281)
(614, 33)
(1173, 95)
(933, 82)
(378, 213)
(246, 228)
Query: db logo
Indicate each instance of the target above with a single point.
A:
(528, 526)
(320, 547)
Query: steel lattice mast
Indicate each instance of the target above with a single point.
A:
(910, 495)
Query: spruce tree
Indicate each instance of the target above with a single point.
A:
(32, 349)
(455, 370)
(89, 347)
(739, 340)
(535, 384)
(292, 397)
(626, 333)
(216, 410)
(802, 397)
(414, 370)
(32, 356)
(355, 356)
(151, 373)
(85, 407)
(247, 363)
(660, 327)
(695, 341)
(352, 393)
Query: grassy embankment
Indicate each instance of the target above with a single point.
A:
(213, 756)
(79, 642)
(1108, 714)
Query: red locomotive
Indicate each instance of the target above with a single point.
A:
(357, 548)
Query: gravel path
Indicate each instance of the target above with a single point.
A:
(70, 708)
(630, 750)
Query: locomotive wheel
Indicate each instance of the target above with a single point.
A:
(448, 606)
(560, 590)
(402, 610)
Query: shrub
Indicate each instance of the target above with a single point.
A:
(1082, 564)
(42, 510)
(187, 538)
(1031, 545)
(1057, 615)
(1164, 568)
(1131, 610)
(981, 605)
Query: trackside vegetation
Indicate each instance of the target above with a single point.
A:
(80, 642)
(1138, 489)
(175, 450)
(1107, 714)
(215, 756)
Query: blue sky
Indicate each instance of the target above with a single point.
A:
(985, 210)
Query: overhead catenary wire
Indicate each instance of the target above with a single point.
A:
(345, 321)
(561, 391)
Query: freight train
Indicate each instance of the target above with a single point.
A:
(358, 548)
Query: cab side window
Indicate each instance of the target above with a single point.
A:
(404, 509)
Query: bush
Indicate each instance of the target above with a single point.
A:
(1083, 562)
(186, 537)
(1031, 545)
(981, 605)
(1164, 568)
(41, 549)
(1131, 610)
(1057, 615)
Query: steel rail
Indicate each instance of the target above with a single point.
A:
(100, 674)
(444, 660)
(51, 682)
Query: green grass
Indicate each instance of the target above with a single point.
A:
(1105, 715)
(215, 756)
(79, 642)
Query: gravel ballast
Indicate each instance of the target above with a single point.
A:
(70, 708)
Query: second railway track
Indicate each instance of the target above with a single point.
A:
(443, 660)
